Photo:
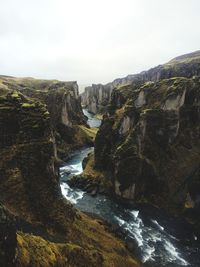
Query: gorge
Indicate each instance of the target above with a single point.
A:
(38, 227)
(120, 189)
(149, 137)
(155, 237)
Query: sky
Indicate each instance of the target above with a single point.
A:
(94, 41)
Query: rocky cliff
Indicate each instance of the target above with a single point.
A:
(97, 97)
(37, 226)
(149, 139)
(63, 103)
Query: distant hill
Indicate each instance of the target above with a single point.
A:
(186, 57)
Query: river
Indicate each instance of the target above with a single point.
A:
(159, 240)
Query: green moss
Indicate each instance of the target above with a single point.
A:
(56, 233)
(7, 108)
(144, 111)
(99, 116)
(28, 105)
(37, 251)
(15, 95)
(91, 132)
(47, 113)
(98, 248)
(125, 148)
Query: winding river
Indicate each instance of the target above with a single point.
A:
(158, 240)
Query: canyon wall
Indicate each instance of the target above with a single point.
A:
(38, 227)
(149, 140)
(63, 103)
(97, 97)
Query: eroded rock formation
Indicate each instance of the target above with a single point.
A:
(37, 226)
(63, 104)
(150, 138)
(97, 97)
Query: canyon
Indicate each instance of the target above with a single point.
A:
(147, 148)
(56, 189)
(41, 123)
(96, 97)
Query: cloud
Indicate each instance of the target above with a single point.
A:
(94, 41)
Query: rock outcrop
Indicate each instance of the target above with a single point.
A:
(97, 97)
(150, 138)
(27, 163)
(37, 226)
(8, 238)
(63, 103)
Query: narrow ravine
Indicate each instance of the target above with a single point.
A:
(156, 238)
(92, 120)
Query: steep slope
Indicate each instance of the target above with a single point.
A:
(63, 103)
(97, 97)
(37, 226)
(149, 140)
(152, 140)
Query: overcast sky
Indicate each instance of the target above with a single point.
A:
(94, 41)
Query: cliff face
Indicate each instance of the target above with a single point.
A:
(27, 165)
(96, 98)
(8, 240)
(63, 104)
(150, 140)
(37, 226)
